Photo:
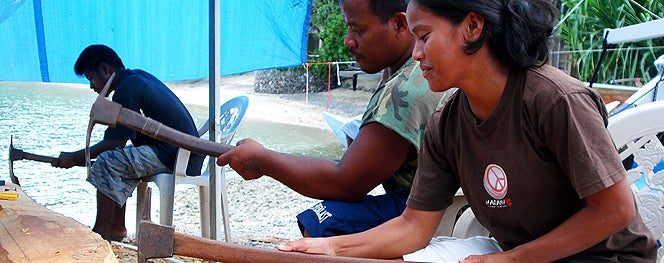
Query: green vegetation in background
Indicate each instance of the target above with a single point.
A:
(583, 31)
(326, 19)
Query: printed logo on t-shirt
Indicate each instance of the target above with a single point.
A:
(495, 184)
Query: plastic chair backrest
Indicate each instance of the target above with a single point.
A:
(231, 114)
(635, 132)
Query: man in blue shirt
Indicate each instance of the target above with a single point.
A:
(119, 168)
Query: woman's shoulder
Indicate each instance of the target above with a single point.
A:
(548, 89)
(548, 78)
(549, 84)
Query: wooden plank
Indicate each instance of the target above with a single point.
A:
(30, 232)
(609, 95)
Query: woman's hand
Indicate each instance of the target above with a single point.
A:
(310, 246)
(495, 257)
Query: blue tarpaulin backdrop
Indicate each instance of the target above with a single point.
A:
(40, 40)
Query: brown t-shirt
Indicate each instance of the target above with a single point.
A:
(527, 167)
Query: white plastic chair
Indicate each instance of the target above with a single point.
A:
(232, 113)
(452, 215)
(344, 128)
(634, 132)
(468, 226)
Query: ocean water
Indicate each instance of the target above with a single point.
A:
(47, 118)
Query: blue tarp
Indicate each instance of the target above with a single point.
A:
(40, 40)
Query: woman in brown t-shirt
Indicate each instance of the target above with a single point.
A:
(525, 142)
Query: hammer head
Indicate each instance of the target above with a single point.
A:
(14, 154)
(154, 241)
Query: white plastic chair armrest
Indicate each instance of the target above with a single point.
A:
(611, 105)
(181, 161)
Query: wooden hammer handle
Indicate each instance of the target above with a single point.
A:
(37, 157)
(155, 129)
(112, 114)
(207, 249)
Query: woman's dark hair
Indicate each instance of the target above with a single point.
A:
(517, 31)
(92, 56)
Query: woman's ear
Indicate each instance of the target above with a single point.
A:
(472, 26)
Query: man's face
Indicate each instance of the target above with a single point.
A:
(97, 79)
(368, 39)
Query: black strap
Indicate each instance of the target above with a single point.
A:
(599, 62)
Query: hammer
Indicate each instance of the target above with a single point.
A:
(157, 241)
(109, 113)
(18, 154)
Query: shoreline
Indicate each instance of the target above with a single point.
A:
(302, 109)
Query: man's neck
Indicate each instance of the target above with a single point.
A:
(389, 71)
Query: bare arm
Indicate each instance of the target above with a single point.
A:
(411, 231)
(71, 159)
(374, 156)
(607, 212)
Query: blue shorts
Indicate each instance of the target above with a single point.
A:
(116, 173)
(334, 218)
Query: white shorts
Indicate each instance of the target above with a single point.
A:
(450, 249)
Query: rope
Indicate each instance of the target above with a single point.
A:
(306, 98)
(338, 77)
(329, 73)
(151, 128)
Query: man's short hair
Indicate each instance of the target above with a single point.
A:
(386, 9)
(92, 56)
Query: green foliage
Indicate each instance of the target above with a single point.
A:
(326, 18)
(583, 32)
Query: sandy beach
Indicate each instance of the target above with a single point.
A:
(262, 212)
